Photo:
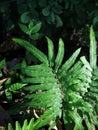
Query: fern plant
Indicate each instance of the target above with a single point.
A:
(59, 89)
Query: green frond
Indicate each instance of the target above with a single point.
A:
(93, 49)
(51, 86)
(36, 52)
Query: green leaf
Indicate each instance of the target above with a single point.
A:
(1, 87)
(60, 55)
(93, 49)
(25, 17)
(58, 21)
(46, 11)
(31, 24)
(35, 28)
(52, 16)
(8, 95)
(2, 64)
(50, 51)
(24, 28)
(36, 36)
(37, 53)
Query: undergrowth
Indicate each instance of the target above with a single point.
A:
(55, 88)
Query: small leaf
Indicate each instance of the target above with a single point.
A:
(25, 18)
(58, 21)
(2, 64)
(52, 16)
(36, 36)
(31, 24)
(46, 11)
(24, 28)
(35, 28)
